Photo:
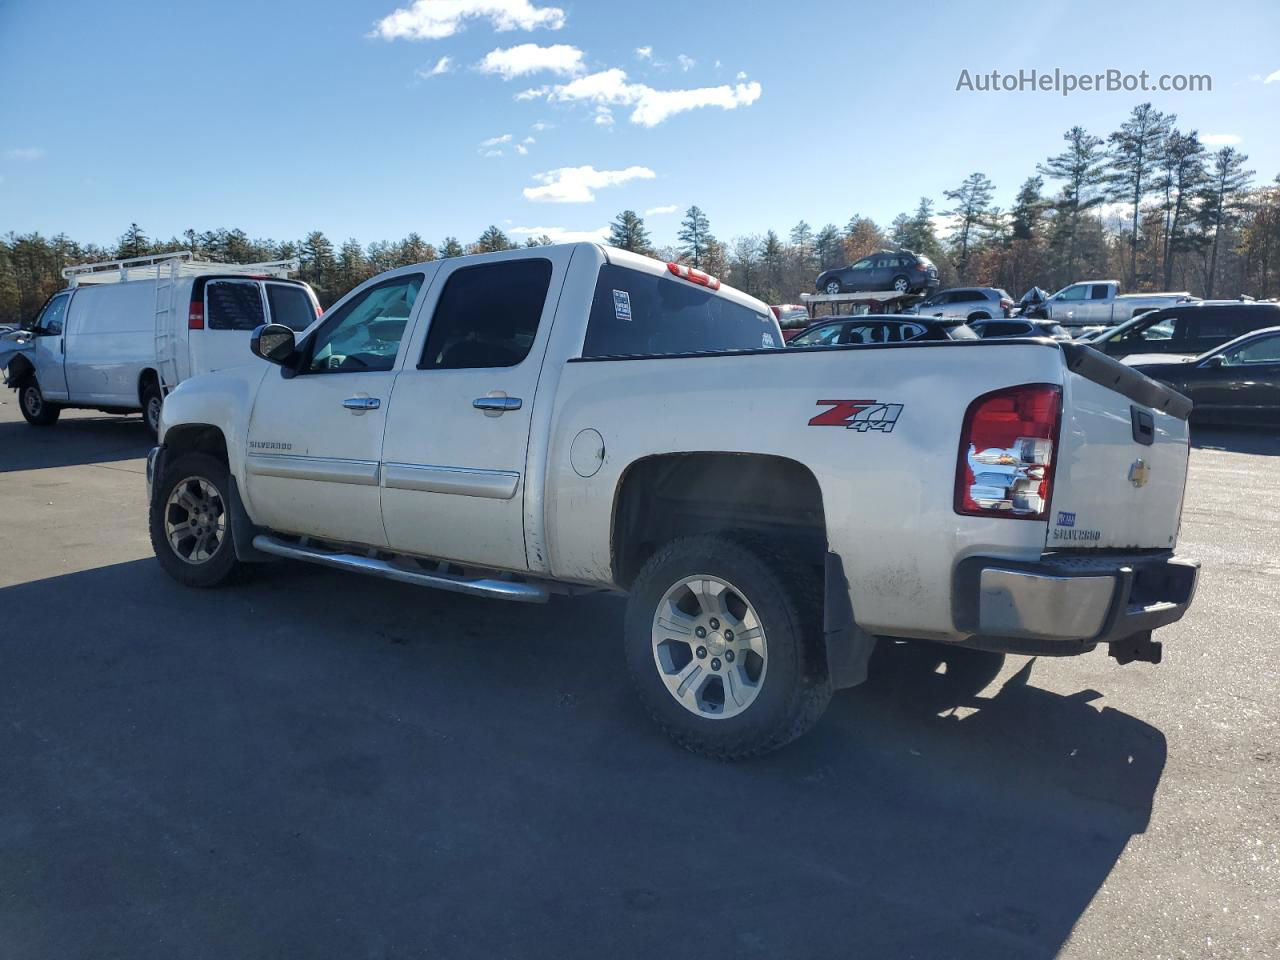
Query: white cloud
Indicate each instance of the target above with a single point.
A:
(435, 19)
(533, 93)
(651, 107)
(494, 141)
(443, 65)
(530, 58)
(575, 184)
(528, 140)
(522, 149)
(686, 63)
(741, 76)
(604, 116)
(1272, 77)
(540, 126)
(644, 53)
(561, 235)
(1220, 139)
(25, 153)
(492, 153)
(658, 211)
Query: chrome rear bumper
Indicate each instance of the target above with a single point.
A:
(1069, 603)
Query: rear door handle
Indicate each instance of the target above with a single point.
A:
(497, 404)
(362, 403)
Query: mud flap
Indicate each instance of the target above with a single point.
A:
(243, 531)
(849, 647)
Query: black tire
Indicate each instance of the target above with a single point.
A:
(221, 564)
(786, 597)
(152, 400)
(833, 282)
(905, 282)
(36, 410)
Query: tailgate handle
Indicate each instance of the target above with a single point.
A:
(1144, 426)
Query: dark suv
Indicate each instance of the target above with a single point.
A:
(899, 270)
(1188, 329)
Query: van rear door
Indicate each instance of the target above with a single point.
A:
(234, 307)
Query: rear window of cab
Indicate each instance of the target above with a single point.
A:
(638, 314)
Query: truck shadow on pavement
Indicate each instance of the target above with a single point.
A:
(73, 440)
(316, 764)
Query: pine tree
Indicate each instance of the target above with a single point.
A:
(451, 248)
(972, 211)
(1028, 209)
(413, 249)
(1135, 155)
(695, 236)
(773, 258)
(1081, 168)
(828, 247)
(1221, 200)
(628, 232)
(1181, 176)
(134, 243)
(493, 240)
(318, 266)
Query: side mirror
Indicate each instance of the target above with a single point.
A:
(1217, 360)
(274, 343)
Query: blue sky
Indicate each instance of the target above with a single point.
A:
(282, 116)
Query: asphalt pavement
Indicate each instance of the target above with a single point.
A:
(315, 764)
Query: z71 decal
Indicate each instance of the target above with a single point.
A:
(860, 415)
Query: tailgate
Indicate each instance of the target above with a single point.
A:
(1122, 465)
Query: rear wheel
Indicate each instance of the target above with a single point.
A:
(721, 638)
(37, 411)
(902, 284)
(190, 522)
(152, 400)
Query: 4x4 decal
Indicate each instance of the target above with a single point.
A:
(860, 415)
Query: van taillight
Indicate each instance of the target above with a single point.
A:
(1007, 448)
(195, 316)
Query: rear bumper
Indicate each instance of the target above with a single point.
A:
(1070, 603)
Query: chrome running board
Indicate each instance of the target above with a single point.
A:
(391, 570)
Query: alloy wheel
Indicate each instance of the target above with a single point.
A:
(195, 520)
(709, 647)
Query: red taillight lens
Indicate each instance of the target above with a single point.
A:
(195, 316)
(694, 276)
(1007, 453)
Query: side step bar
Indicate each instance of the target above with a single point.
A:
(389, 570)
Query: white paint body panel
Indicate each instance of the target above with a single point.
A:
(444, 468)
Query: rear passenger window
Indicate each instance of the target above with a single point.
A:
(1216, 325)
(637, 314)
(233, 304)
(1100, 291)
(290, 305)
(487, 315)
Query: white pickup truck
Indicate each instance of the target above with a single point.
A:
(1100, 303)
(577, 418)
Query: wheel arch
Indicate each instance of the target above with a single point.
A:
(147, 377)
(20, 368)
(664, 496)
(196, 438)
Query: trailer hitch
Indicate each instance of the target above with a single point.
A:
(1137, 647)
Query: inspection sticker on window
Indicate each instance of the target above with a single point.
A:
(766, 339)
(622, 304)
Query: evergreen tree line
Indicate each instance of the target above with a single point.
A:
(1149, 204)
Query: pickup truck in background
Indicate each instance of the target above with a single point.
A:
(578, 418)
(1100, 302)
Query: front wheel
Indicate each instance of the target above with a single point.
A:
(722, 642)
(190, 522)
(902, 284)
(36, 410)
(833, 287)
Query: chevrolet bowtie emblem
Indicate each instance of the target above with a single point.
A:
(1139, 472)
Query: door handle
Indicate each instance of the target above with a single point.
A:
(362, 403)
(497, 404)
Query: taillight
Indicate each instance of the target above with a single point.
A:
(694, 276)
(1007, 453)
(195, 316)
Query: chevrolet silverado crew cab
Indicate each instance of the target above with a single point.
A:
(1101, 302)
(576, 418)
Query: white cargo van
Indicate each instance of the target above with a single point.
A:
(125, 333)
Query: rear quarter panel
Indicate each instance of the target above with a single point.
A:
(887, 495)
